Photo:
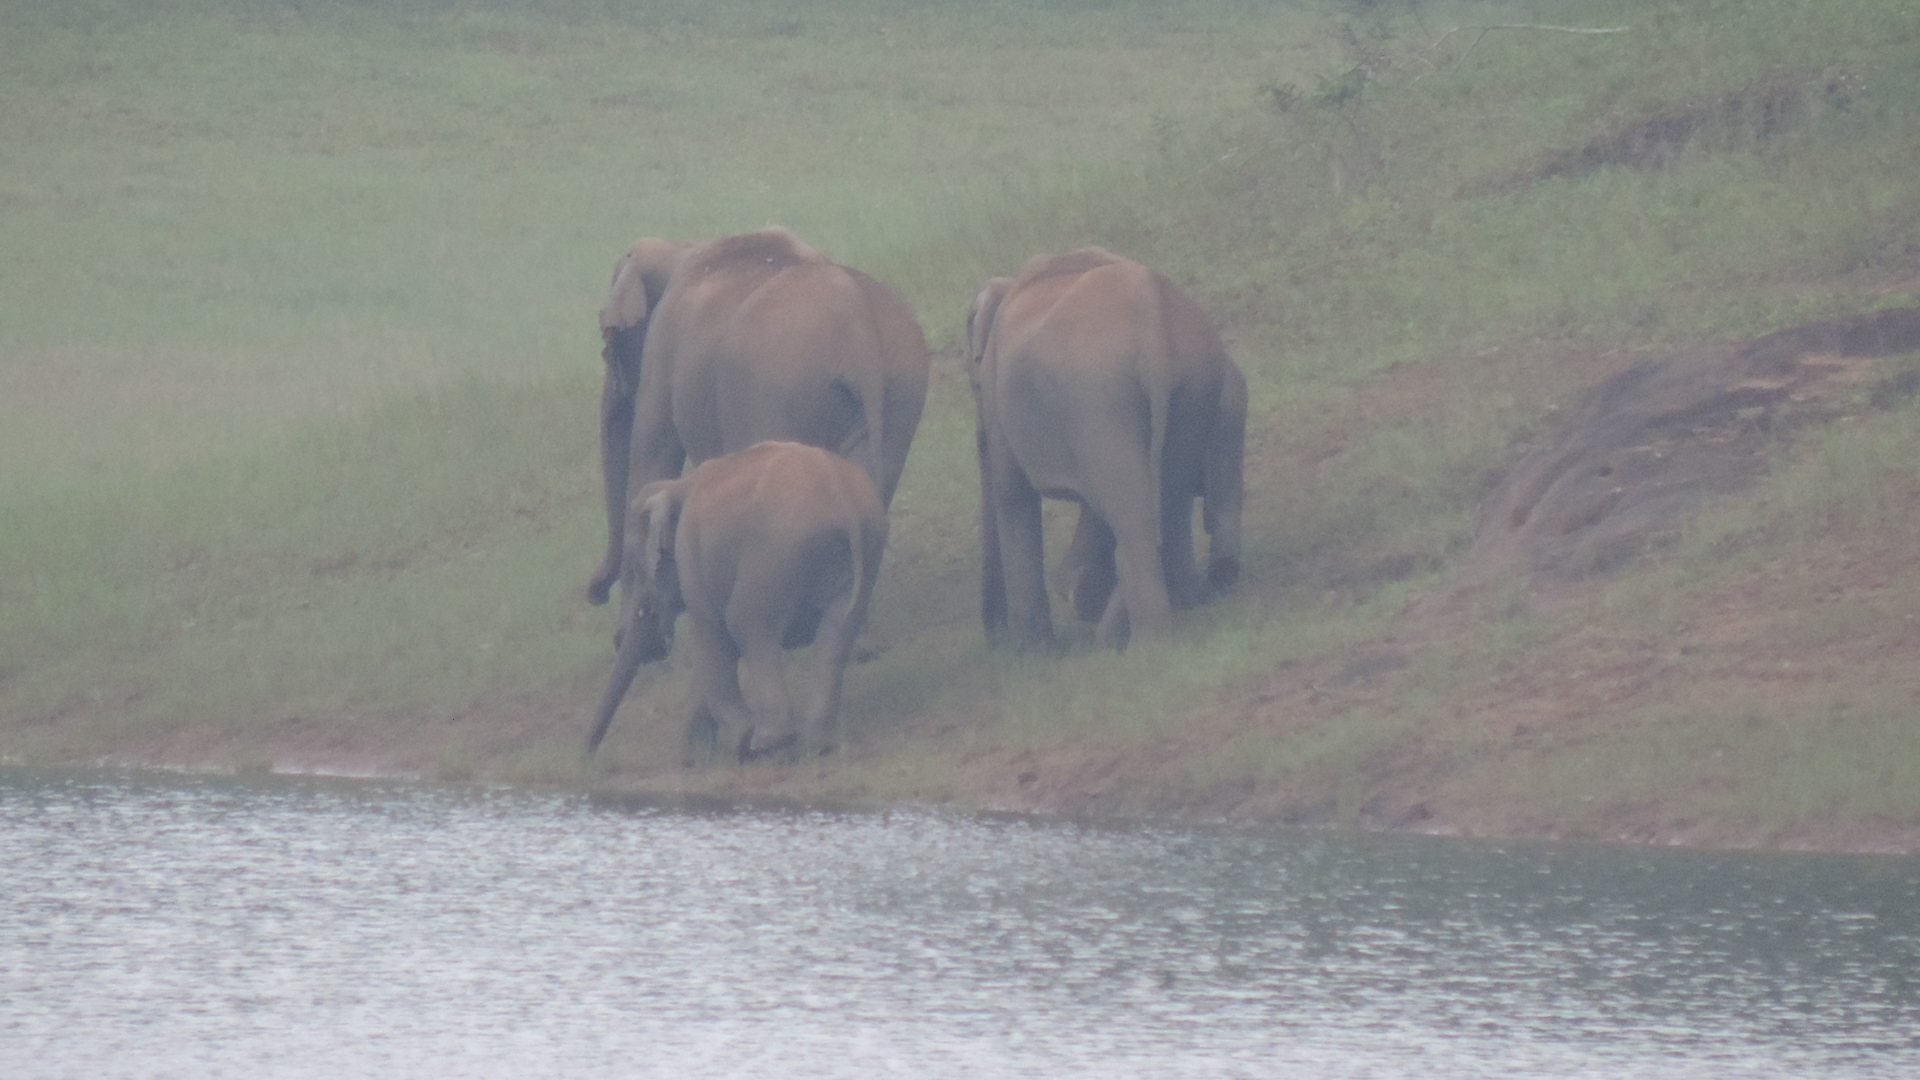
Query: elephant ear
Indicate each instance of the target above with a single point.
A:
(659, 519)
(628, 302)
(640, 279)
(986, 307)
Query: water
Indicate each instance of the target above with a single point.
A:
(179, 927)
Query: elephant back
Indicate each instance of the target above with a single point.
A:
(767, 250)
(1072, 262)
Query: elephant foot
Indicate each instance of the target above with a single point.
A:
(743, 751)
(1039, 646)
(600, 586)
(1189, 592)
(703, 741)
(785, 748)
(1090, 595)
(1222, 572)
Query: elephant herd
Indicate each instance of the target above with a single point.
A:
(789, 389)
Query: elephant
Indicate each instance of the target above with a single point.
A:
(714, 347)
(765, 549)
(1098, 380)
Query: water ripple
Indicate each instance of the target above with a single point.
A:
(280, 928)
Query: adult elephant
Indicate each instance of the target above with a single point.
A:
(765, 549)
(715, 347)
(1096, 379)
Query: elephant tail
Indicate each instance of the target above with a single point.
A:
(868, 540)
(866, 549)
(893, 386)
(874, 377)
(1161, 385)
(865, 444)
(873, 402)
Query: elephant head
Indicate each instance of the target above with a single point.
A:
(640, 279)
(650, 595)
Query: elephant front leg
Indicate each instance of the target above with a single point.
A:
(1022, 560)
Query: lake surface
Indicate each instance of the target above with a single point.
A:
(198, 927)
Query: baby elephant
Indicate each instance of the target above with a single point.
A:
(765, 549)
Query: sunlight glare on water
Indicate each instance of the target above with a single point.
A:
(268, 928)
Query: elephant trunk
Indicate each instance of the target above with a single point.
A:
(632, 654)
(616, 441)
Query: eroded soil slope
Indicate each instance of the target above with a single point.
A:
(1525, 696)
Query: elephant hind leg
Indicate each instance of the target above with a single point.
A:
(703, 736)
(770, 729)
(1222, 572)
(1186, 586)
(802, 629)
(841, 626)
(720, 717)
(1140, 609)
(1114, 630)
(785, 748)
(1022, 564)
(1088, 567)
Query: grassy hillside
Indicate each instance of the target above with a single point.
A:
(298, 368)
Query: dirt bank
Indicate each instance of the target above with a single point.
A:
(1515, 698)
(1517, 695)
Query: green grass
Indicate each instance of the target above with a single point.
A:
(1852, 480)
(314, 287)
(1848, 760)
(251, 170)
(298, 359)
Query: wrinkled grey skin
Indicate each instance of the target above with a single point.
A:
(771, 548)
(1095, 379)
(715, 347)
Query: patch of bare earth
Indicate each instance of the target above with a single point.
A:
(1520, 664)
